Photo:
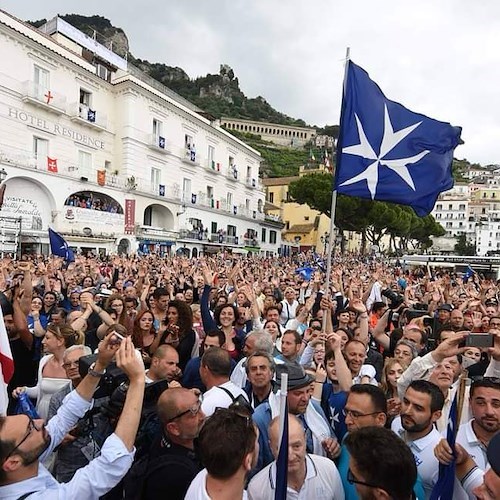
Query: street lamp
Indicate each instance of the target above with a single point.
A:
(3, 175)
(325, 239)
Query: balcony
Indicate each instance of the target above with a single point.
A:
(251, 242)
(189, 156)
(232, 173)
(155, 232)
(157, 143)
(186, 234)
(224, 239)
(213, 166)
(252, 183)
(44, 98)
(81, 113)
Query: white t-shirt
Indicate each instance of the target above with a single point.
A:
(366, 371)
(218, 398)
(198, 488)
(322, 482)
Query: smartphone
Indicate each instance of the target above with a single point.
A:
(481, 340)
(117, 338)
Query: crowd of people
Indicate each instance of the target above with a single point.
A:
(159, 377)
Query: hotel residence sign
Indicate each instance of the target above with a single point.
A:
(54, 128)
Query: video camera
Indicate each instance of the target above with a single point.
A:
(395, 299)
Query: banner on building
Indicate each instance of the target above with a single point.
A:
(52, 165)
(129, 216)
(101, 177)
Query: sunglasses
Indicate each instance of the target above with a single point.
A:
(194, 410)
(352, 480)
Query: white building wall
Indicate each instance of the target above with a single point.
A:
(120, 142)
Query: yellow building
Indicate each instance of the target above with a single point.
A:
(303, 225)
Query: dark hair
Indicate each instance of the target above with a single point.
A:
(377, 306)
(384, 459)
(225, 439)
(218, 361)
(376, 394)
(296, 335)
(488, 382)
(270, 308)
(160, 292)
(61, 311)
(137, 334)
(426, 387)
(220, 308)
(340, 311)
(213, 333)
(107, 305)
(185, 316)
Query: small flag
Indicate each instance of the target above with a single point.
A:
(52, 165)
(91, 114)
(443, 489)
(305, 272)
(6, 359)
(311, 155)
(469, 272)
(389, 153)
(59, 247)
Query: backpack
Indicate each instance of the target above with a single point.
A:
(135, 480)
(239, 402)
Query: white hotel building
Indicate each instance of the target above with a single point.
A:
(112, 159)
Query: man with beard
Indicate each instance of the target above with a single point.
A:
(25, 443)
(229, 449)
(420, 408)
(309, 476)
(475, 435)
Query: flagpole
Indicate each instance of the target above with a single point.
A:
(283, 395)
(334, 202)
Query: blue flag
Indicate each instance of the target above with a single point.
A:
(443, 489)
(59, 247)
(282, 460)
(469, 272)
(386, 152)
(305, 272)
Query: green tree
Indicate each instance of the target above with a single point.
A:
(463, 247)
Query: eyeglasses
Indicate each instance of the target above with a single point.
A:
(71, 364)
(356, 414)
(194, 410)
(352, 480)
(31, 427)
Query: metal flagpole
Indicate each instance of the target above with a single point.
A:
(334, 206)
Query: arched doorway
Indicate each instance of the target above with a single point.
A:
(156, 215)
(124, 246)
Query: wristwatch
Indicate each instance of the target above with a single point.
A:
(94, 373)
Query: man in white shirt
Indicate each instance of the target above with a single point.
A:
(420, 408)
(228, 447)
(309, 476)
(25, 443)
(215, 369)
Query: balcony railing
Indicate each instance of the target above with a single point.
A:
(223, 238)
(232, 173)
(39, 95)
(151, 232)
(193, 234)
(213, 166)
(157, 142)
(87, 116)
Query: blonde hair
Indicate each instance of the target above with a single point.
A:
(67, 334)
(384, 383)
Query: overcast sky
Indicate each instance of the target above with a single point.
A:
(437, 57)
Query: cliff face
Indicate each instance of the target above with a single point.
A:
(217, 94)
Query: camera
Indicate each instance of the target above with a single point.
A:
(395, 299)
(113, 377)
(480, 340)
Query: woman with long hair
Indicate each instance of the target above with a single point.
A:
(224, 318)
(393, 369)
(51, 374)
(177, 331)
(144, 334)
(117, 303)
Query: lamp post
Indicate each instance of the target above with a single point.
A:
(3, 176)
(325, 239)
